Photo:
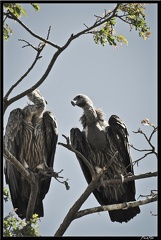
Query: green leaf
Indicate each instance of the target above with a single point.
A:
(113, 21)
(120, 38)
(6, 195)
(23, 11)
(35, 6)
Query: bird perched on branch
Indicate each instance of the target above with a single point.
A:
(31, 136)
(105, 144)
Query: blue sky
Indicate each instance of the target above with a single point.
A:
(119, 81)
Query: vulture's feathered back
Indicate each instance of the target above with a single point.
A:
(31, 136)
(98, 142)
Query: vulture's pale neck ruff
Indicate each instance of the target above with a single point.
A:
(94, 130)
(34, 113)
(90, 112)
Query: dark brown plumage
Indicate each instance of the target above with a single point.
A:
(31, 136)
(98, 142)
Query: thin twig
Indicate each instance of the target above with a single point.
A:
(28, 44)
(154, 130)
(48, 33)
(150, 151)
(85, 25)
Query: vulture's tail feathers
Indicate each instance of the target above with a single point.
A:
(21, 208)
(123, 215)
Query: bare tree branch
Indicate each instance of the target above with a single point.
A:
(92, 172)
(104, 19)
(11, 16)
(39, 49)
(115, 206)
(150, 151)
(152, 194)
(28, 44)
(86, 162)
(154, 130)
(71, 148)
(7, 102)
(130, 178)
(73, 210)
(98, 23)
(33, 196)
(148, 139)
(9, 157)
(38, 83)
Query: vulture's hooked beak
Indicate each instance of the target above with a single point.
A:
(73, 103)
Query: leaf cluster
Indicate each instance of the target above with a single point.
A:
(14, 10)
(7, 31)
(135, 16)
(106, 33)
(132, 14)
(15, 227)
(6, 195)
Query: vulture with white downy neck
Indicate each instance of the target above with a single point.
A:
(105, 143)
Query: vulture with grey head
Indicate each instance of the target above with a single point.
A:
(31, 137)
(102, 141)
